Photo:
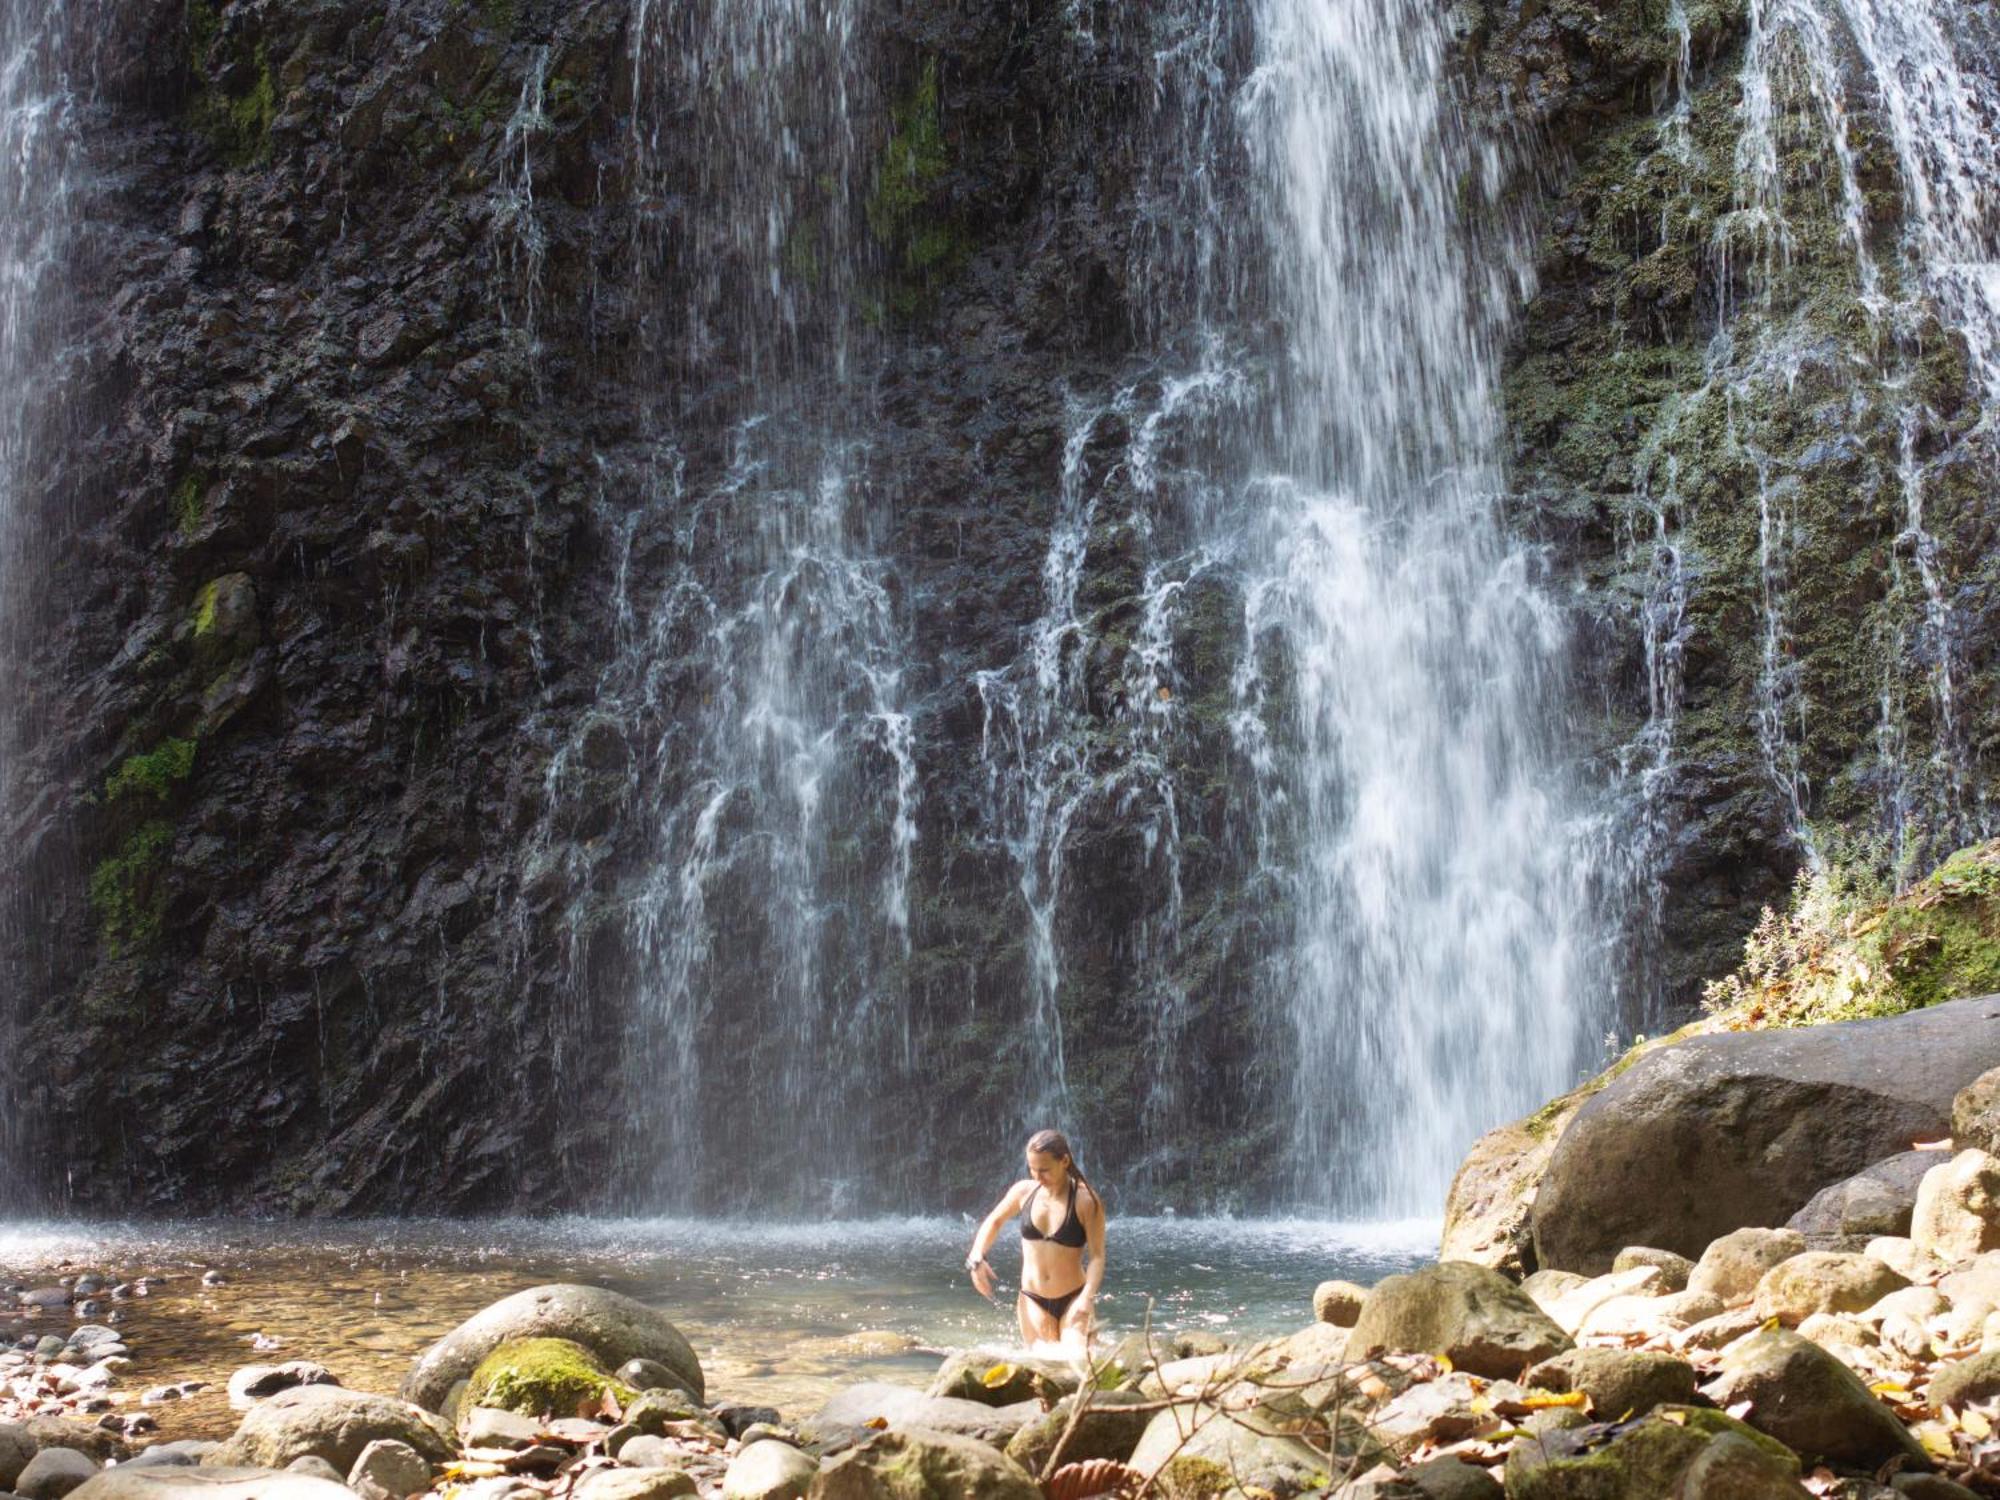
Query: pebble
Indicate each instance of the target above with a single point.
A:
(214, 1278)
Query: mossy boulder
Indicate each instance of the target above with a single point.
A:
(543, 1377)
(612, 1327)
(1673, 1450)
(917, 1464)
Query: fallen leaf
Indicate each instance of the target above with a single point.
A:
(877, 1424)
(1935, 1437)
(997, 1376)
(1545, 1400)
(1678, 1418)
(1974, 1423)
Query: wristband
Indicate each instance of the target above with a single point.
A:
(974, 1262)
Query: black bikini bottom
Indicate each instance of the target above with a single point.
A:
(1055, 1307)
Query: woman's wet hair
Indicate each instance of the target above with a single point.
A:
(1055, 1143)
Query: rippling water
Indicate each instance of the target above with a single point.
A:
(780, 1315)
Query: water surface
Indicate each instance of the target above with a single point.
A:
(780, 1315)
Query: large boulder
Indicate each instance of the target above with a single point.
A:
(863, 1405)
(768, 1470)
(1478, 1319)
(332, 1423)
(1681, 1451)
(542, 1377)
(920, 1465)
(1002, 1377)
(1823, 1281)
(1110, 1429)
(1620, 1383)
(1712, 1133)
(1876, 1201)
(16, 1448)
(1486, 1211)
(1975, 1113)
(1957, 1213)
(183, 1482)
(1196, 1452)
(612, 1327)
(53, 1473)
(1811, 1402)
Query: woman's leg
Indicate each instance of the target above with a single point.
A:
(1037, 1327)
(1078, 1327)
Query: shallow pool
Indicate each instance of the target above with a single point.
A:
(780, 1315)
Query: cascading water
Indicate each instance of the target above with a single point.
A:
(779, 777)
(38, 184)
(1401, 831)
(1920, 75)
(1439, 984)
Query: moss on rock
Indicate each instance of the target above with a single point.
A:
(1836, 956)
(540, 1377)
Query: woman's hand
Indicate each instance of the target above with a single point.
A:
(982, 1277)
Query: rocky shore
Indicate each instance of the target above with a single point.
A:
(1737, 1265)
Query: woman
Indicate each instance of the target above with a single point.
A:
(1060, 1218)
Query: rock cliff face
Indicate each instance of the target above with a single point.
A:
(384, 412)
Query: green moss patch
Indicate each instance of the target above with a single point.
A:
(1836, 955)
(236, 118)
(154, 774)
(543, 1377)
(126, 894)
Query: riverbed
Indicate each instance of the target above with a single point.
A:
(780, 1315)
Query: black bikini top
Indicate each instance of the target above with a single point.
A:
(1068, 1233)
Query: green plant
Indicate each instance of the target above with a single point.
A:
(125, 892)
(153, 774)
(186, 502)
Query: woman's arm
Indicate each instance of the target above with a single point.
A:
(1092, 1214)
(987, 1233)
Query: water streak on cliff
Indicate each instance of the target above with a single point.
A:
(39, 189)
(777, 768)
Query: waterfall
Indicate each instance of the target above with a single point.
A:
(1405, 847)
(777, 763)
(1920, 75)
(38, 192)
